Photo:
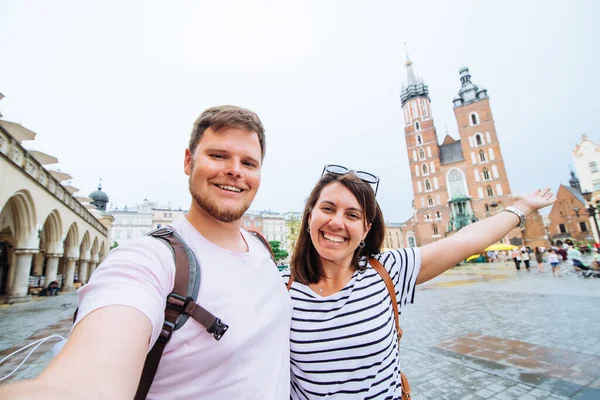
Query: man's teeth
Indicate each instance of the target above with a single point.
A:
(337, 239)
(230, 188)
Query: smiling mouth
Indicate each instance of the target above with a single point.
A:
(334, 239)
(229, 188)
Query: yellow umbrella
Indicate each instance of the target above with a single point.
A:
(473, 257)
(500, 247)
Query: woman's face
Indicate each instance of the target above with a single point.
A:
(337, 224)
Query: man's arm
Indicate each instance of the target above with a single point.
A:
(103, 359)
(439, 256)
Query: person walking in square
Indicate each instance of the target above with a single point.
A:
(525, 258)
(539, 258)
(516, 256)
(554, 262)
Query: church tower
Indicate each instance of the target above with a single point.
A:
(423, 154)
(484, 169)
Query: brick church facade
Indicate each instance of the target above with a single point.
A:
(456, 182)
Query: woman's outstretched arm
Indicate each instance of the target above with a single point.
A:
(474, 238)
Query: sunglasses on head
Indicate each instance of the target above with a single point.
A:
(362, 175)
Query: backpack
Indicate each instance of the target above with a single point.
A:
(181, 302)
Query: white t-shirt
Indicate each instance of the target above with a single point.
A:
(344, 346)
(243, 289)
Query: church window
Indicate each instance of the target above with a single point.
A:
(489, 190)
(425, 109)
(438, 215)
(411, 242)
(456, 184)
(478, 140)
(481, 156)
(562, 228)
(487, 208)
(486, 174)
(596, 183)
(583, 227)
(474, 118)
(425, 172)
(427, 217)
(419, 140)
(500, 206)
(593, 166)
(421, 154)
(417, 126)
(430, 201)
(435, 230)
(413, 109)
(427, 185)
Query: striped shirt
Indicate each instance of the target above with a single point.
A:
(344, 346)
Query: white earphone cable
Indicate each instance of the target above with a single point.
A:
(37, 344)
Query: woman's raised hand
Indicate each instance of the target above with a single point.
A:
(529, 203)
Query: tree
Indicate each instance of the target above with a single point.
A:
(293, 225)
(278, 252)
(115, 244)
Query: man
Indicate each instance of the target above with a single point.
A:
(121, 309)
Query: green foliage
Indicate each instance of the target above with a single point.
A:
(115, 244)
(278, 252)
(293, 225)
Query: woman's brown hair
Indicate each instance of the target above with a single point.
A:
(306, 263)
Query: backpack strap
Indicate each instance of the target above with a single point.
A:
(392, 291)
(180, 305)
(264, 242)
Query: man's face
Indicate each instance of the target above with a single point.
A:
(224, 172)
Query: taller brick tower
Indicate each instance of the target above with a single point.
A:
(424, 159)
(459, 181)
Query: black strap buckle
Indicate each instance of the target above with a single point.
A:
(218, 328)
(178, 302)
(166, 332)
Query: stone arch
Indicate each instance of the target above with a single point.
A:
(52, 233)
(20, 210)
(71, 243)
(85, 247)
(95, 250)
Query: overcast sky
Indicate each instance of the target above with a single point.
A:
(112, 87)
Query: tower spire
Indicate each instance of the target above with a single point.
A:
(414, 87)
(410, 73)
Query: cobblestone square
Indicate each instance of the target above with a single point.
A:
(476, 332)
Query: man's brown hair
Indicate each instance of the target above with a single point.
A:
(306, 262)
(221, 117)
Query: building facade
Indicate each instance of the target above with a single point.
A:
(394, 238)
(455, 181)
(586, 158)
(568, 218)
(165, 216)
(46, 233)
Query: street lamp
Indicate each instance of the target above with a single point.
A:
(592, 210)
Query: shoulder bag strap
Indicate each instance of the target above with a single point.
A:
(178, 306)
(392, 291)
(264, 242)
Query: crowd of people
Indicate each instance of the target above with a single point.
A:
(566, 255)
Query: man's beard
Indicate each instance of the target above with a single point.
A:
(212, 208)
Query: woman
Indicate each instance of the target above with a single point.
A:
(539, 258)
(343, 334)
(525, 258)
